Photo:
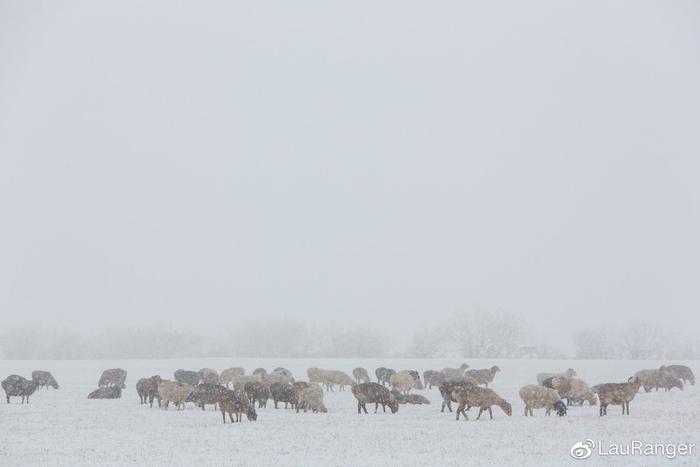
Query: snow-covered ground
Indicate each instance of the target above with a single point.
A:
(64, 428)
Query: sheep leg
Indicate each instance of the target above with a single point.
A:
(481, 410)
(490, 413)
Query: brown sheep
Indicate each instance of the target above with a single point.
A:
(483, 376)
(147, 389)
(257, 391)
(229, 374)
(617, 394)
(236, 403)
(476, 396)
(374, 393)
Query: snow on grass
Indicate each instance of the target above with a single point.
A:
(64, 428)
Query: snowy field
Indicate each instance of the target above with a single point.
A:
(64, 428)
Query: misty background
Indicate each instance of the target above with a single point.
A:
(360, 179)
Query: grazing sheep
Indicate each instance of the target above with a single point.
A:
(683, 373)
(208, 376)
(417, 383)
(147, 389)
(401, 382)
(44, 379)
(206, 393)
(658, 378)
(578, 393)
(191, 378)
(567, 374)
(447, 387)
(617, 394)
(311, 398)
(257, 391)
(260, 373)
(475, 396)
(433, 378)
(361, 375)
(454, 373)
(175, 392)
(315, 375)
(113, 377)
(106, 392)
(374, 393)
(332, 377)
(384, 375)
(234, 402)
(483, 376)
(228, 375)
(283, 392)
(18, 386)
(540, 397)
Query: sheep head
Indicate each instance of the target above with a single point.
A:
(506, 407)
(560, 407)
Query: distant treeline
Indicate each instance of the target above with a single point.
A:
(475, 334)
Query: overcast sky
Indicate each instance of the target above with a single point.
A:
(385, 162)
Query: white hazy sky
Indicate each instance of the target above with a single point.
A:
(368, 160)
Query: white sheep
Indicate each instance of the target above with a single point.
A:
(171, 391)
(311, 397)
(540, 397)
(402, 382)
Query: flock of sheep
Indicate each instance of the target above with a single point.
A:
(235, 393)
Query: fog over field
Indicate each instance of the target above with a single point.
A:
(380, 172)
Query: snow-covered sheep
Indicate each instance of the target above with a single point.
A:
(283, 392)
(147, 389)
(566, 374)
(402, 382)
(18, 386)
(579, 392)
(658, 378)
(384, 375)
(454, 373)
(106, 392)
(417, 383)
(433, 378)
(683, 373)
(540, 397)
(315, 375)
(361, 375)
(208, 376)
(475, 396)
(333, 377)
(257, 391)
(44, 379)
(175, 392)
(617, 394)
(206, 393)
(311, 398)
(229, 374)
(236, 403)
(374, 393)
(447, 387)
(483, 376)
(113, 377)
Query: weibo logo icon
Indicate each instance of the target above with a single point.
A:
(582, 449)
